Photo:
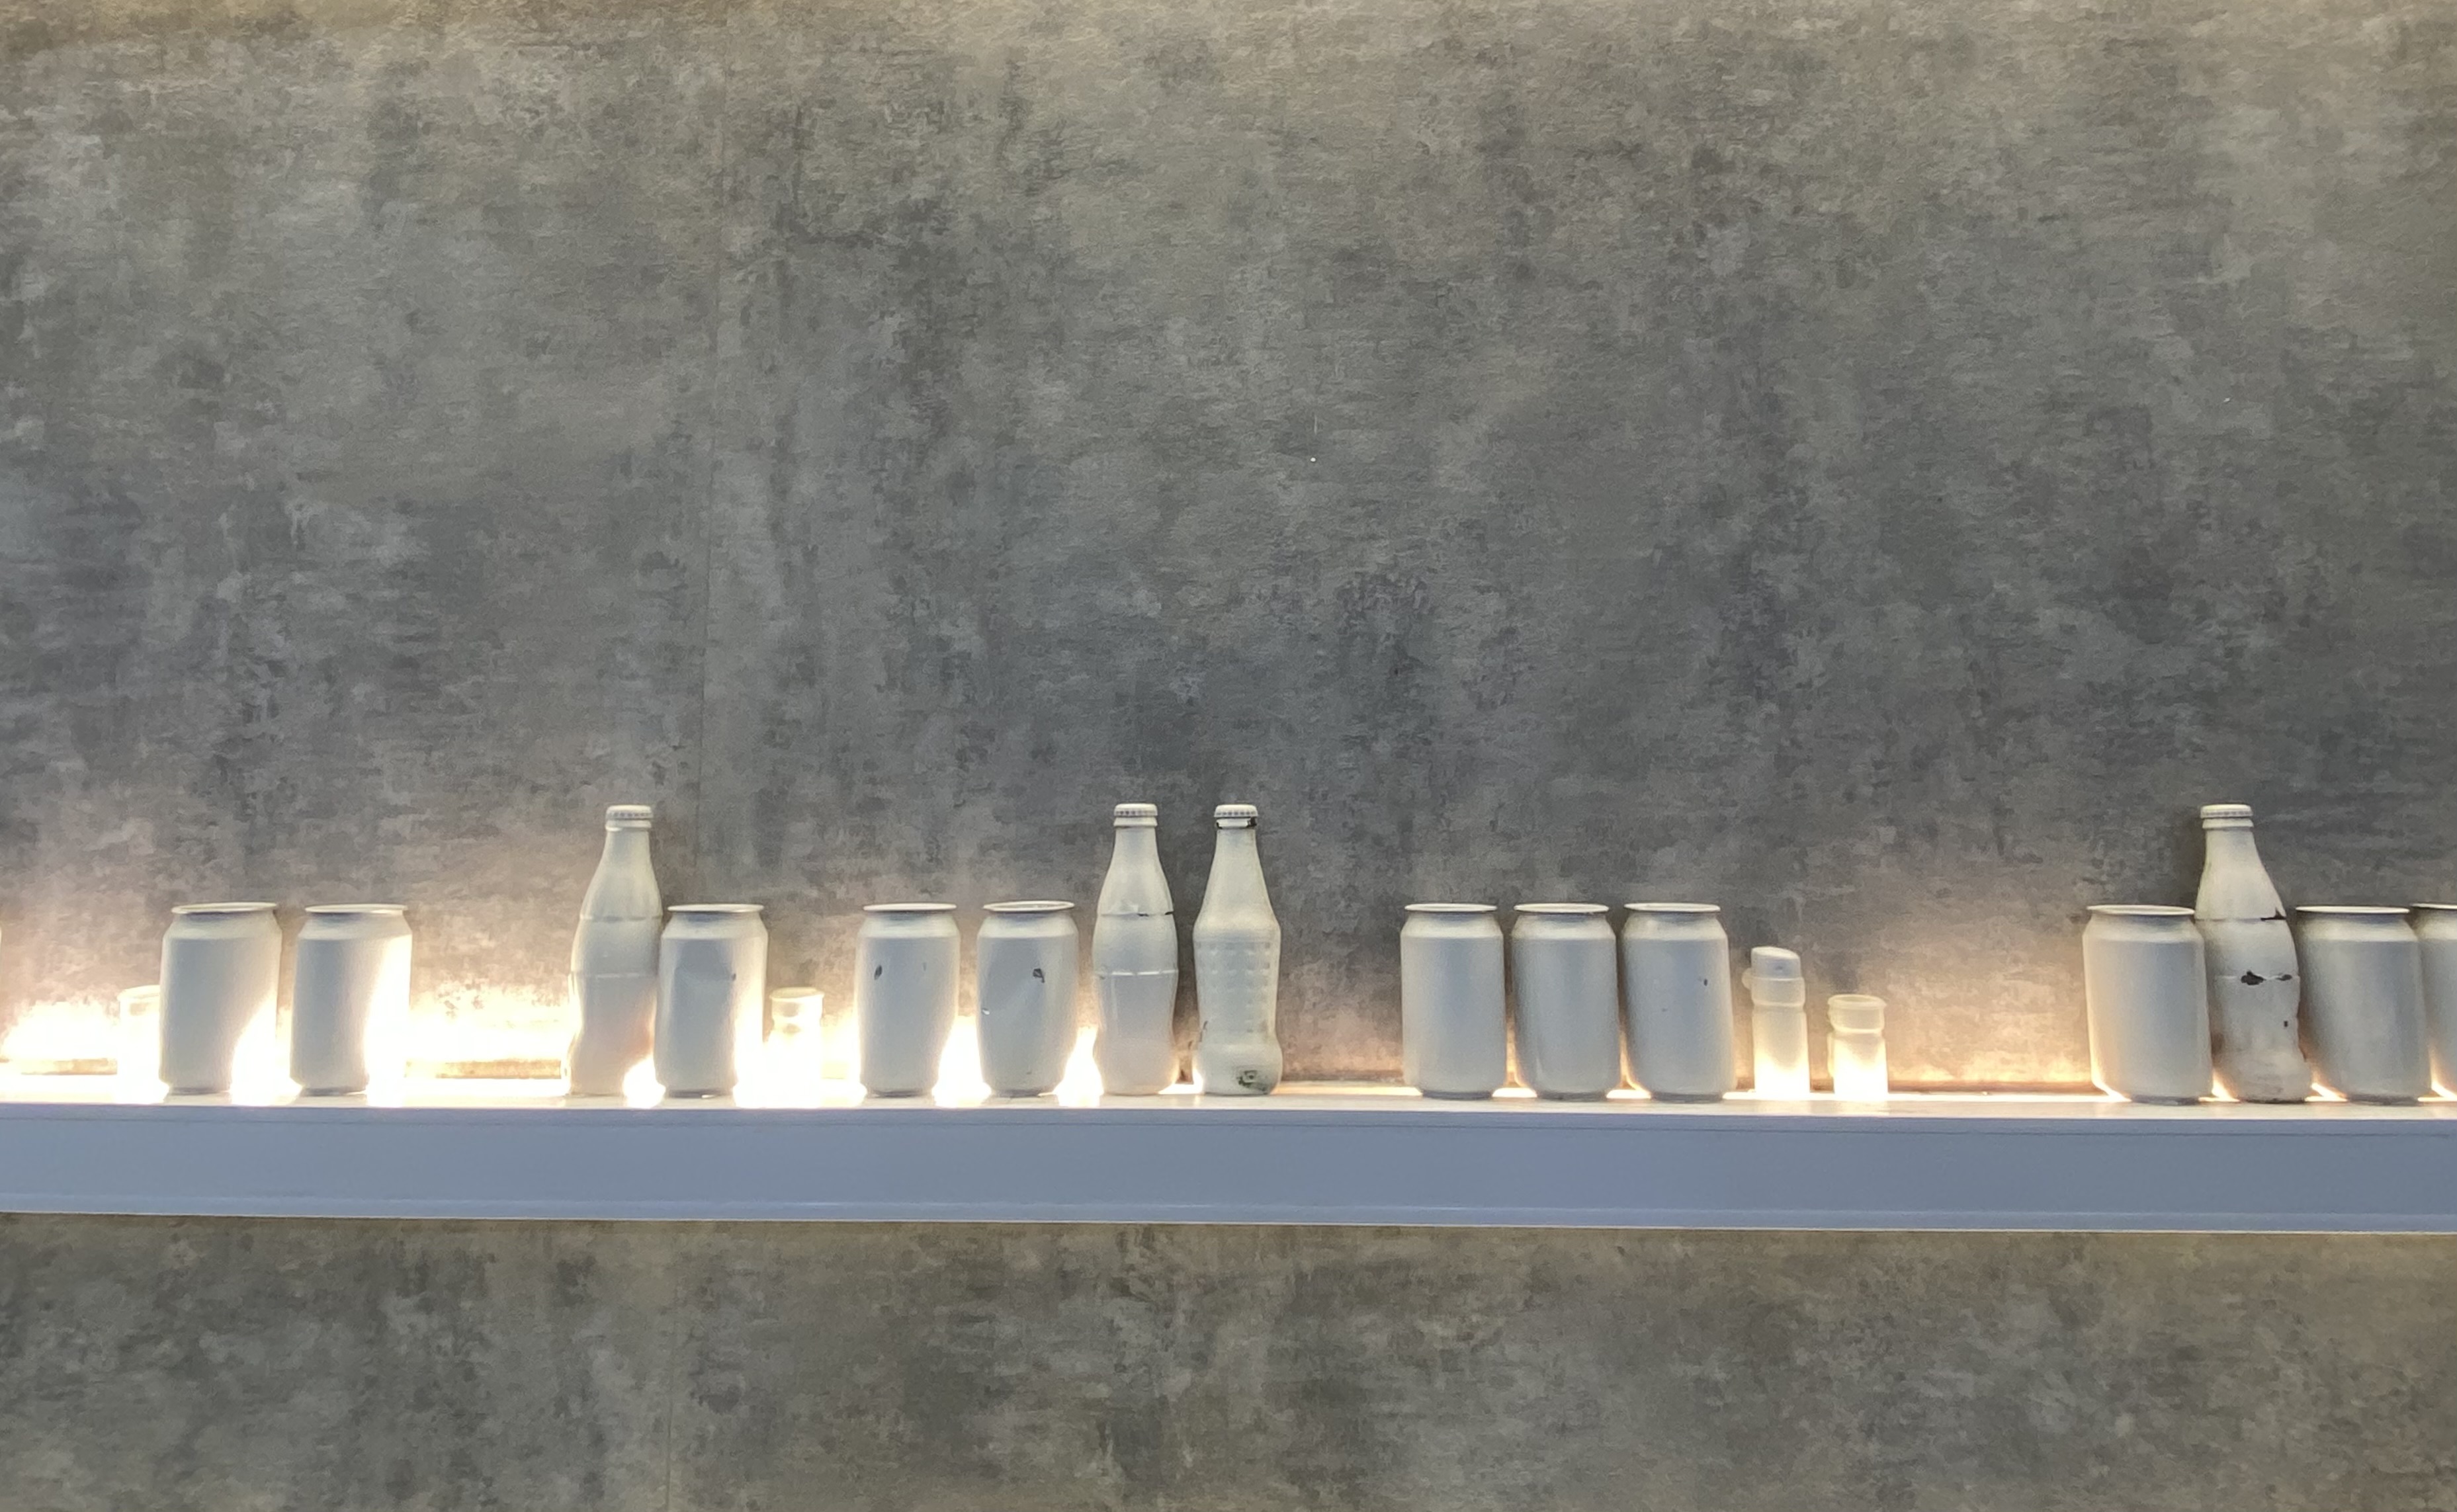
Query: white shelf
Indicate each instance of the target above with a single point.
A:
(1933, 1162)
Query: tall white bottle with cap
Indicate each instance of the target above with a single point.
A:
(2255, 983)
(1778, 1021)
(1237, 965)
(1134, 962)
(615, 957)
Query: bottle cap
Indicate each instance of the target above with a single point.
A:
(2227, 816)
(1856, 1013)
(1234, 816)
(1773, 978)
(1138, 816)
(628, 816)
(1772, 963)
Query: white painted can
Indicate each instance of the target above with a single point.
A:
(613, 977)
(1023, 977)
(1677, 994)
(904, 994)
(2363, 1002)
(221, 968)
(349, 985)
(2435, 929)
(1451, 1030)
(1134, 962)
(712, 993)
(1565, 976)
(2145, 980)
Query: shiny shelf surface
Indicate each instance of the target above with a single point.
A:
(1327, 1155)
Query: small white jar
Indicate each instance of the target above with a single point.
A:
(1677, 993)
(2363, 1002)
(2145, 978)
(1454, 1039)
(904, 994)
(221, 968)
(1855, 1045)
(1566, 976)
(2435, 931)
(349, 985)
(711, 987)
(1024, 972)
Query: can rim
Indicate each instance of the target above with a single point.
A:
(1029, 906)
(2141, 910)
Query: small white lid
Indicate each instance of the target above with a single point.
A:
(2227, 816)
(1772, 963)
(1028, 906)
(1856, 1013)
(1234, 816)
(1130, 816)
(628, 816)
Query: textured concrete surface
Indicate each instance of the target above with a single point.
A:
(1877, 465)
(228, 1363)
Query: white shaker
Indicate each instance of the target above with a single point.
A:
(1023, 974)
(2145, 979)
(1134, 962)
(1778, 1021)
(2435, 931)
(1237, 966)
(1677, 996)
(349, 985)
(2363, 1002)
(614, 980)
(221, 968)
(904, 994)
(1453, 1037)
(712, 990)
(1565, 976)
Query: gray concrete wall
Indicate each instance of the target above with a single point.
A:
(1876, 463)
(176, 1364)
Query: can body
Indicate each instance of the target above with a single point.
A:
(1564, 968)
(1023, 976)
(2363, 1002)
(1676, 997)
(2145, 975)
(1452, 1033)
(904, 994)
(2435, 931)
(351, 976)
(222, 966)
(711, 994)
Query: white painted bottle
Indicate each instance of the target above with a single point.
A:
(2146, 986)
(2362, 1000)
(712, 991)
(613, 979)
(1452, 1027)
(221, 967)
(1677, 993)
(1134, 962)
(1023, 974)
(1855, 1045)
(1566, 978)
(1778, 1021)
(2255, 983)
(904, 994)
(349, 987)
(2435, 929)
(1237, 966)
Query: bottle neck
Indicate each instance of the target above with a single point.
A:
(1236, 870)
(625, 846)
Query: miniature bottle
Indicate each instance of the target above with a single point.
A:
(1778, 1021)
(1855, 1051)
(2254, 980)
(1237, 966)
(615, 958)
(1134, 962)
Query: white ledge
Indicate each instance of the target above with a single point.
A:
(1918, 1162)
